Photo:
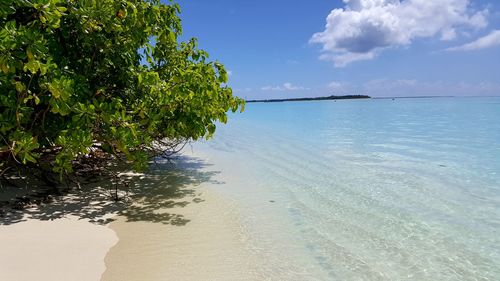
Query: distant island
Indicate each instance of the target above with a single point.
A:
(346, 97)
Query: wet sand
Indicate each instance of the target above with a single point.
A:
(208, 247)
(193, 237)
(173, 225)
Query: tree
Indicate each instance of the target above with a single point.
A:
(102, 78)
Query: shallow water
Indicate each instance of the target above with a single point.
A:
(366, 189)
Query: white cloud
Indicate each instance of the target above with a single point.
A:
(363, 28)
(341, 88)
(488, 41)
(242, 89)
(335, 85)
(285, 87)
(345, 58)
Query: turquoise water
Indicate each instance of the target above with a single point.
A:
(366, 189)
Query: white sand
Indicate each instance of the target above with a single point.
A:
(209, 247)
(178, 228)
(62, 249)
(195, 236)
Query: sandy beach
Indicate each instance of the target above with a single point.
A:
(62, 249)
(172, 227)
(208, 247)
(65, 238)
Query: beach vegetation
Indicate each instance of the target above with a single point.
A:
(86, 81)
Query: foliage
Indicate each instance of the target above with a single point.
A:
(80, 76)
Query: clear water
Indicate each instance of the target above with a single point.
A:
(367, 189)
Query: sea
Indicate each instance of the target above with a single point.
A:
(375, 189)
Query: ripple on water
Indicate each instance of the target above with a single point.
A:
(370, 191)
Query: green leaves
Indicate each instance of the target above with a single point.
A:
(61, 88)
(74, 74)
(23, 145)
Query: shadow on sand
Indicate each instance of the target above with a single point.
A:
(149, 197)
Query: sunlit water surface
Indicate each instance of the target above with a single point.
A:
(405, 189)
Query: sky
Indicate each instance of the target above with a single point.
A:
(382, 48)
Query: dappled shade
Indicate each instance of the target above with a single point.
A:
(147, 198)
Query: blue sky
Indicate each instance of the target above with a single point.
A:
(279, 49)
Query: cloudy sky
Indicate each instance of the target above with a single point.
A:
(283, 48)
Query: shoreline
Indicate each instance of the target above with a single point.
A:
(177, 226)
(208, 247)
